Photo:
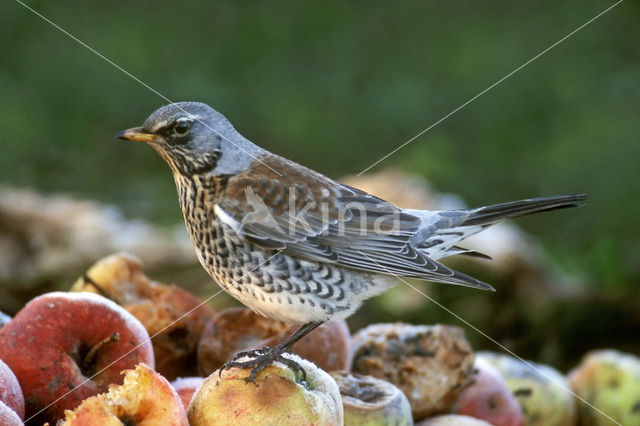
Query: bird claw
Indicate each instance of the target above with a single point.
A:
(261, 358)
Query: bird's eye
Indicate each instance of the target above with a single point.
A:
(181, 127)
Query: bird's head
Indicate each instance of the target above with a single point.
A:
(193, 138)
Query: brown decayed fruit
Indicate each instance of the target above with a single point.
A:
(65, 347)
(174, 317)
(368, 401)
(238, 329)
(280, 396)
(145, 398)
(430, 364)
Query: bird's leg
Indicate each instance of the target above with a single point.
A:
(264, 356)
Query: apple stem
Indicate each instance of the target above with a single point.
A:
(88, 280)
(88, 360)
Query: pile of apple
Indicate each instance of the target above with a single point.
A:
(121, 349)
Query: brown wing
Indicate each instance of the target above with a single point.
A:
(312, 217)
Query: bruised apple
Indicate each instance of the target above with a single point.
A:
(66, 347)
(280, 396)
(368, 401)
(145, 398)
(430, 364)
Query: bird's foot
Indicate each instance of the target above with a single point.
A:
(261, 358)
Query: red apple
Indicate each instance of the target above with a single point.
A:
(173, 316)
(186, 387)
(66, 347)
(489, 398)
(10, 391)
(145, 398)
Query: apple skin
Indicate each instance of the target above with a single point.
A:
(8, 417)
(489, 398)
(542, 392)
(10, 391)
(239, 329)
(53, 333)
(279, 397)
(145, 398)
(609, 380)
(186, 387)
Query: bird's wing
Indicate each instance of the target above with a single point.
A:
(312, 217)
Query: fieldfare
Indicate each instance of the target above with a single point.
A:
(292, 244)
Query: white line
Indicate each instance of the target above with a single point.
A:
(529, 364)
(490, 87)
(76, 39)
(151, 337)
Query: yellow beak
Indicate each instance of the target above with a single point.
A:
(137, 135)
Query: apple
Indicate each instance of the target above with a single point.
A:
(542, 392)
(489, 398)
(8, 417)
(145, 398)
(453, 420)
(240, 329)
(610, 381)
(370, 401)
(172, 316)
(65, 347)
(10, 391)
(186, 387)
(280, 396)
(430, 364)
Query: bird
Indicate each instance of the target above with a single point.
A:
(293, 244)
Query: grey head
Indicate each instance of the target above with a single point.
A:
(193, 138)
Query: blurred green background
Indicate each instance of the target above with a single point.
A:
(335, 86)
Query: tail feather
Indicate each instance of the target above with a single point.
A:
(497, 212)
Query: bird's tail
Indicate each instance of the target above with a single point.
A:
(497, 212)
